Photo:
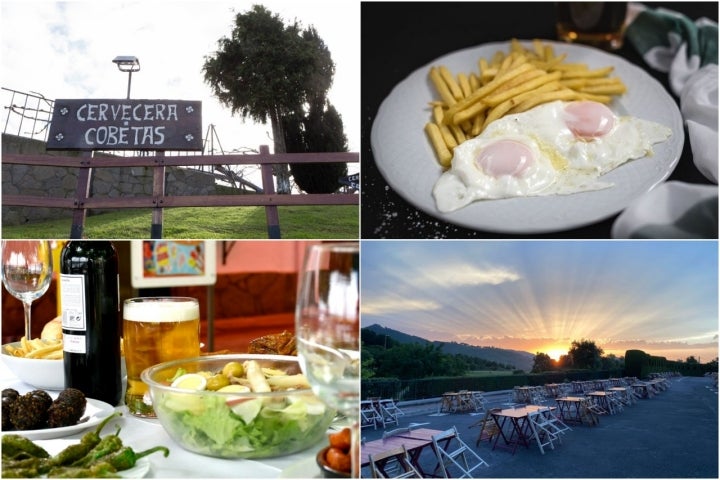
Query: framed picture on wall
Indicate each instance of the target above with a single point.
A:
(169, 263)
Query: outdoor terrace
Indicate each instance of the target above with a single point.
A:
(671, 434)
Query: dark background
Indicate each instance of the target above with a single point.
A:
(400, 37)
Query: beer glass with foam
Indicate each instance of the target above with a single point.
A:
(156, 330)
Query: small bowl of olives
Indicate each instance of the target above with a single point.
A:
(238, 406)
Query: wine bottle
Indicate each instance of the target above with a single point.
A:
(90, 298)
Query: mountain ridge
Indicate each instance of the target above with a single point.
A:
(520, 359)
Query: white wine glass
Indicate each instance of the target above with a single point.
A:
(327, 328)
(26, 272)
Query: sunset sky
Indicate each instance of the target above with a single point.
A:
(539, 296)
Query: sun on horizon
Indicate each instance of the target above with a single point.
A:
(555, 353)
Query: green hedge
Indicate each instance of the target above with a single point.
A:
(640, 364)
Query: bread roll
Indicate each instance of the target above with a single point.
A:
(52, 329)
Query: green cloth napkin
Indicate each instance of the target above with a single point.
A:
(671, 42)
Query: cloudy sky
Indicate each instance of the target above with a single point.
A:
(660, 297)
(65, 50)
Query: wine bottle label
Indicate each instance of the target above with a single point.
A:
(72, 291)
(74, 343)
(72, 288)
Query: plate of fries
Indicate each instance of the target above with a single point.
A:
(411, 159)
(36, 362)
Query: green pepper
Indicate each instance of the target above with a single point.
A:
(29, 472)
(126, 458)
(17, 446)
(76, 451)
(106, 446)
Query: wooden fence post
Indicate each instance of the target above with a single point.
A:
(82, 192)
(156, 228)
(271, 211)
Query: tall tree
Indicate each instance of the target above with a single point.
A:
(585, 354)
(542, 363)
(266, 70)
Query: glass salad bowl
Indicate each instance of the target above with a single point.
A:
(238, 406)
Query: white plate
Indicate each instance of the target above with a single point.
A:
(141, 468)
(406, 159)
(95, 412)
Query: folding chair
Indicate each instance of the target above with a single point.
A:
(488, 428)
(369, 416)
(541, 432)
(388, 406)
(393, 463)
(615, 402)
(455, 458)
(554, 424)
(388, 413)
(478, 401)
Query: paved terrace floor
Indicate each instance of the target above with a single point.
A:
(671, 435)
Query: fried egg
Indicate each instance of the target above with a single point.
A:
(557, 148)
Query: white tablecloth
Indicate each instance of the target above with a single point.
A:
(142, 434)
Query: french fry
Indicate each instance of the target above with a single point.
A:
(452, 85)
(441, 86)
(566, 94)
(524, 87)
(44, 352)
(436, 139)
(599, 72)
(36, 348)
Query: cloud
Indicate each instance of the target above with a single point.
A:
(464, 274)
(392, 305)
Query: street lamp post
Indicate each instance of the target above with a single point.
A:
(129, 64)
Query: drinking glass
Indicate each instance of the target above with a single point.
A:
(156, 330)
(26, 272)
(327, 329)
(601, 24)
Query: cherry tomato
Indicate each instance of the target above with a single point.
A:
(337, 459)
(340, 439)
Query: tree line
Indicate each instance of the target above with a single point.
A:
(586, 355)
(384, 357)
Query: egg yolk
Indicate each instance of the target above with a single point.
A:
(589, 120)
(505, 157)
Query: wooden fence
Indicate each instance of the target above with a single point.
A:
(81, 202)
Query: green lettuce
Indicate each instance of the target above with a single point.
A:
(206, 424)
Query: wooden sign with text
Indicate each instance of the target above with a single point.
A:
(126, 125)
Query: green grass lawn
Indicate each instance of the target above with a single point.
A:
(305, 222)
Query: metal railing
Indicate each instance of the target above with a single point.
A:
(26, 114)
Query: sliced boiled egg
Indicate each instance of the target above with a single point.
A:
(190, 381)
